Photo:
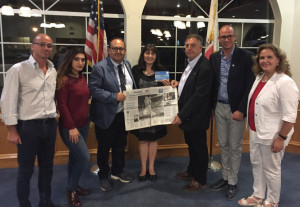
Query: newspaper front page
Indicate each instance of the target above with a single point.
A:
(149, 107)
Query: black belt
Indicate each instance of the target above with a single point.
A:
(223, 102)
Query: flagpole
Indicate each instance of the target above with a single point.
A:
(211, 47)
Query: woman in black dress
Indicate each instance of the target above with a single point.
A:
(144, 76)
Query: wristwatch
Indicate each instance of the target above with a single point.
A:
(283, 137)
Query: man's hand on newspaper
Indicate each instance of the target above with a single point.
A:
(174, 83)
(121, 97)
(177, 120)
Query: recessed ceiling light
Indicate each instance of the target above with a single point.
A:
(35, 29)
(178, 5)
(7, 10)
(233, 16)
(257, 10)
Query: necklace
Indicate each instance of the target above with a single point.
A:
(148, 73)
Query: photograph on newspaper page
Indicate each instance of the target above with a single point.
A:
(149, 107)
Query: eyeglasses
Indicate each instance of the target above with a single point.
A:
(79, 59)
(121, 49)
(42, 44)
(226, 37)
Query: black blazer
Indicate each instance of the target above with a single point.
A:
(195, 100)
(240, 78)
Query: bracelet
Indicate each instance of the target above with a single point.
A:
(283, 137)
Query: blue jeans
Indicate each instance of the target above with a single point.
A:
(38, 139)
(79, 156)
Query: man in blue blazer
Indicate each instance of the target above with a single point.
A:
(195, 92)
(109, 78)
(234, 78)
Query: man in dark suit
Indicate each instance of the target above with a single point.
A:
(194, 91)
(109, 78)
(234, 78)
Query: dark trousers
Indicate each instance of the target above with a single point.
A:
(79, 155)
(113, 138)
(198, 163)
(38, 139)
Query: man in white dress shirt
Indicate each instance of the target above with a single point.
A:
(29, 111)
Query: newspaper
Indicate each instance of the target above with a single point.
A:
(149, 107)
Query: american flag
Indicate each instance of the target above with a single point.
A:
(212, 45)
(96, 42)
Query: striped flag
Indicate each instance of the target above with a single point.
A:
(96, 42)
(212, 44)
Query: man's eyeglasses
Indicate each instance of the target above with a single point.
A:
(226, 37)
(77, 59)
(42, 44)
(121, 49)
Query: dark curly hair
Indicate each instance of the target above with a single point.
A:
(283, 65)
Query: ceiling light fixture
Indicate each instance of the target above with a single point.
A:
(35, 29)
(60, 25)
(188, 23)
(7, 10)
(25, 11)
(200, 24)
(179, 24)
(36, 13)
(178, 5)
(53, 25)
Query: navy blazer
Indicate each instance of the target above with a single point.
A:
(104, 86)
(240, 78)
(195, 100)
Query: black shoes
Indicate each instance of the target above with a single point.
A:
(105, 185)
(219, 185)
(142, 178)
(123, 177)
(231, 189)
(152, 177)
(231, 192)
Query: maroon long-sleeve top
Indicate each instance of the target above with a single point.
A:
(72, 102)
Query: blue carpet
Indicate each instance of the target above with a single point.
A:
(166, 191)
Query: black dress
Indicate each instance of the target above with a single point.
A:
(149, 133)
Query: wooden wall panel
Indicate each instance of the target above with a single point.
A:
(172, 145)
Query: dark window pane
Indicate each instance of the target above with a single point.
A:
(109, 6)
(257, 34)
(114, 28)
(167, 58)
(170, 8)
(246, 9)
(16, 4)
(163, 26)
(14, 53)
(22, 28)
(73, 33)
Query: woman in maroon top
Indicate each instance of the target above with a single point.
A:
(72, 100)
